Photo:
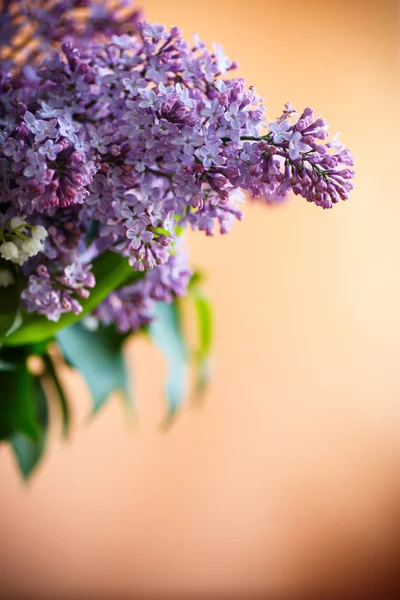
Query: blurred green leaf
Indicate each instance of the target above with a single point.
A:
(17, 404)
(61, 396)
(6, 366)
(98, 356)
(9, 306)
(17, 322)
(111, 272)
(27, 451)
(166, 332)
(205, 339)
(92, 232)
(38, 349)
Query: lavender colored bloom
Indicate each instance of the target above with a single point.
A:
(296, 145)
(41, 128)
(14, 149)
(127, 130)
(50, 149)
(53, 295)
(280, 131)
(210, 155)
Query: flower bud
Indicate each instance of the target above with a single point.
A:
(17, 222)
(9, 251)
(39, 232)
(31, 246)
(6, 278)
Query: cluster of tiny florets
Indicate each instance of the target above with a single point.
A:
(20, 240)
(137, 136)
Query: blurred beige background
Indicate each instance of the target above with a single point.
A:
(286, 483)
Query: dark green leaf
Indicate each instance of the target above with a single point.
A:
(61, 396)
(9, 305)
(39, 348)
(166, 332)
(17, 402)
(6, 366)
(27, 451)
(92, 232)
(17, 322)
(111, 272)
(98, 356)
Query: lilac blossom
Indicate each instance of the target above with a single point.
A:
(127, 129)
(53, 294)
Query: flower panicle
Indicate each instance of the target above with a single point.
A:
(121, 138)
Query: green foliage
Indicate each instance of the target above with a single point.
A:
(61, 397)
(97, 355)
(205, 339)
(23, 406)
(17, 405)
(9, 304)
(28, 452)
(111, 272)
(166, 332)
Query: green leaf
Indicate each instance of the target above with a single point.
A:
(205, 339)
(111, 272)
(36, 349)
(27, 451)
(61, 396)
(17, 403)
(6, 366)
(17, 322)
(98, 356)
(92, 232)
(166, 332)
(9, 306)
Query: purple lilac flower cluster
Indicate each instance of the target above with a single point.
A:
(53, 294)
(136, 131)
(132, 306)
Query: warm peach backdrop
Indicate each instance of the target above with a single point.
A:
(287, 480)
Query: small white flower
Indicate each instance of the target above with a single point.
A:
(21, 259)
(32, 246)
(8, 250)
(39, 232)
(17, 222)
(6, 278)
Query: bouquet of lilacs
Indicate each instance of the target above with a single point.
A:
(115, 137)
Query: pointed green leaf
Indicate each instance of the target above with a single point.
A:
(61, 396)
(205, 337)
(27, 451)
(111, 272)
(98, 356)
(17, 401)
(166, 332)
(9, 305)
